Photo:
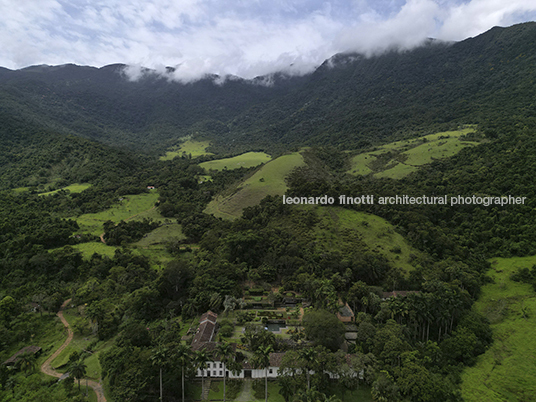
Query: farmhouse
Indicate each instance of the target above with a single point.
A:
(205, 331)
(203, 340)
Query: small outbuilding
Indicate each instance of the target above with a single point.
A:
(35, 350)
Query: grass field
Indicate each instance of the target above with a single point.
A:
(247, 160)
(88, 249)
(507, 371)
(399, 159)
(189, 147)
(20, 189)
(161, 234)
(131, 207)
(268, 180)
(73, 188)
(377, 233)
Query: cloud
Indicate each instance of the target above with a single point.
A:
(472, 18)
(240, 38)
(405, 30)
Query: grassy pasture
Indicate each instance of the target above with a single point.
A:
(88, 249)
(398, 159)
(247, 160)
(506, 372)
(376, 232)
(131, 207)
(161, 234)
(399, 171)
(189, 147)
(268, 180)
(73, 188)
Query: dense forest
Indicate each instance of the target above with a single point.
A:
(68, 124)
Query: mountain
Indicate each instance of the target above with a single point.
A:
(348, 99)
(351, 97)
(102, 104)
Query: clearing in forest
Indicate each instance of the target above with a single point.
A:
(398, 159)
(161, 234)
(73, 188)
(339, 227)
(506, 371)
(129, 207)
(188, 148)
(268, 180)
(247, 160)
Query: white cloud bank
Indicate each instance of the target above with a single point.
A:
(246, 38)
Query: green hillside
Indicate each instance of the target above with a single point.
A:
(247, 160)
(73, 188)
(506, 372)
(189, 148)
(378, 234)
(127, 208)
(268, 180)
(400, 158)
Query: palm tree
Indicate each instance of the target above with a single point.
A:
(201, 359)
(224, 352)
(160, 358)
(309, 395)
(182, 354)
(77, 370)
(262, 359)
(26, 362)
(309, 355)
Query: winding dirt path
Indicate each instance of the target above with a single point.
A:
(47, 368)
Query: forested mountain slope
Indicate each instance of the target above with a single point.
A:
(347, 99)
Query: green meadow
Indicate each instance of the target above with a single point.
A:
(377, 233)
(188, 148)
(88, 249)
(161, 234)
(401, 158)
(73, 188)
(20, 189)
(247, 160)
(507, 370)
(268, 180)
(130, 207)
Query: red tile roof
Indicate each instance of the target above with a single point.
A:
(210, 316)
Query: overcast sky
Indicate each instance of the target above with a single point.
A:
(239, 37)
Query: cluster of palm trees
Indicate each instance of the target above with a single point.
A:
(166, 356)
(430, 315)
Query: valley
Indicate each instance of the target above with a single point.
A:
(156, 207)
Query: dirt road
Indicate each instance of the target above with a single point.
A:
(47, 368)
